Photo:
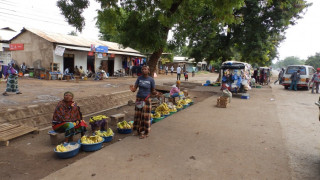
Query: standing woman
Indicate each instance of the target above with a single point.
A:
(12, 81)
(142, 115)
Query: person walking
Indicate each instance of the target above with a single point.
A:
(178, 72)
(166, 68)
(142, 115)
(280, 76)
(171, 70)
(186, 75)
(12, 79)
(295, 78)
(316, 81)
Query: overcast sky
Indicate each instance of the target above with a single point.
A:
(302, 40)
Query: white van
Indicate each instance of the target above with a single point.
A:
(306, 73)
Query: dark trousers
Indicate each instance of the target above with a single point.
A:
(178, 76)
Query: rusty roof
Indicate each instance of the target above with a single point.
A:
(76, 40)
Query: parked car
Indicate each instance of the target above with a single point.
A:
(306, 73)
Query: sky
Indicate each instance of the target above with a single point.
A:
(302, 39)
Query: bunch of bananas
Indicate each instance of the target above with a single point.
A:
(163, 109)
(188, 100)
(124, 125)
(156, 115)
(91, 139)
(61, 148)
(107, 133)
(182, 102)
(97, 118)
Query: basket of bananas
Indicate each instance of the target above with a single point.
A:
(189, 101)
(163, 110)
(91, 143)
(124, 127)
(156, 117)
(67, 150)
(106, 135)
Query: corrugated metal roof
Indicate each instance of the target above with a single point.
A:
(76, 40)
(6, 35)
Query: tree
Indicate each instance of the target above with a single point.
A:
(145, 24)
(314, 61)
(289, 61)
(73, 33)
(253, 37)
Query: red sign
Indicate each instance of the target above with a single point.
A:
(14, 47)
(90, 53)
(112, 55)
(104, 54)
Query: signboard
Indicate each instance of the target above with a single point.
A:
(59, 51)
(104, 54)
(90, 53)
(102, 49)
(99, 55)
(15, 47)
(112, 55)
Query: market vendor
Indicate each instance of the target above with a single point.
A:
(67, 118)
(174, 92)
(142, 115)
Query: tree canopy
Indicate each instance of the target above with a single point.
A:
(249, 30)
(314, 61)
(292, 60)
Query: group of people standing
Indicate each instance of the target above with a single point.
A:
(262, 76)
(179, 72)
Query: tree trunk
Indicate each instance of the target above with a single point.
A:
(153, 61)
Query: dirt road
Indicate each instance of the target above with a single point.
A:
(298, 116)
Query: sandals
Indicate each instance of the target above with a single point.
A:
(143, 136)
(5, 94)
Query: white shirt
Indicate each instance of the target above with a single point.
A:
(172, 68)
(178, 70)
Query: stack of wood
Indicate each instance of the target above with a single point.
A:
(222, 101)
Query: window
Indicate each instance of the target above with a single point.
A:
(292, 69)
(54, 67)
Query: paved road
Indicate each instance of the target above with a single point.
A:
(243, 141)
(298, 116)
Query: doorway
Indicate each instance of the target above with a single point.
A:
(90, 63)
(68, 62)
(111, 66)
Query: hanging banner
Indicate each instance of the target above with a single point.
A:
(15, 47)
(93, 48)
(90, 53)
(59, 51)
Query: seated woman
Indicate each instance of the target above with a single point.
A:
(67, 118)
(174, 92)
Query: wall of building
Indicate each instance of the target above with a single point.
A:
(35, 49)
(117, 62)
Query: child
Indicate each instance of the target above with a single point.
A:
(186, 75)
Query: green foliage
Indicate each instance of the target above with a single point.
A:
(73, 33)
(314, 61)
(289, 61)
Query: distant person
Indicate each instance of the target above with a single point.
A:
(171, 70)
(316, 81)
(193, 71)
(295, 78)
(178, 72)
(262, 76)
(280, 76)
(186, 75)
(81, 72)
(76, 71)
(166, 68)
(12, 79)
(23, 68)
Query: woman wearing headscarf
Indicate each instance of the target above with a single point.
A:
(67, 118)
(142, 115)
(12, 79)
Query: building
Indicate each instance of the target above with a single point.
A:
(183, 62)
(47, 51)
(5, 35)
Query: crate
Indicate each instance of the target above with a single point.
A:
(222, 101)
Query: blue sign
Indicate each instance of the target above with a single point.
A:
(102, 49)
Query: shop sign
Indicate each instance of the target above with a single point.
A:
(90, 53)
(14, 47)
(104, 54)
(59, 51)
(102, 49)
(112, 55)
(99, 55)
